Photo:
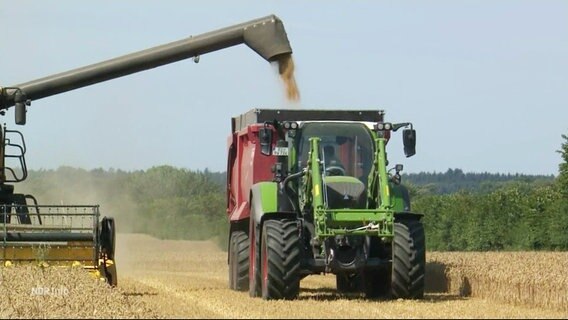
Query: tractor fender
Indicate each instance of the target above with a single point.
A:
(408, 216)
(399, 197)
(268, 201)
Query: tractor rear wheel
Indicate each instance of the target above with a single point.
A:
(408, 260)
(280, 259)
(239, 261)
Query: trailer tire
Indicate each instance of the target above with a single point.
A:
(231, 261)
(408, 260)
(254, 256)
(280, 259)
(239, 261)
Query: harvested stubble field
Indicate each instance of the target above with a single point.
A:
(163, 278)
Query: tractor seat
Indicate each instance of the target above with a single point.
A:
(345, 192)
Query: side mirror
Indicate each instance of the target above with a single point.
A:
(265, 137)
(20, 105)
(20, 113)
(409, 142)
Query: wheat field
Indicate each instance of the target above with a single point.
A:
(188, 279)
(537, 279)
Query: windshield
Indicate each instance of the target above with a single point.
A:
(345, 145)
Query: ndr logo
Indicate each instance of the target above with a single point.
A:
(44, 291)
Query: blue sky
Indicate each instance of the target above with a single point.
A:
(484, 82)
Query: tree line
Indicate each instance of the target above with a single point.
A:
(455, 180)
(463, 211)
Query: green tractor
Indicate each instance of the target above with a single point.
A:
(320, 199)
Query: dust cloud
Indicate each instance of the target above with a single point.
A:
(69, 186)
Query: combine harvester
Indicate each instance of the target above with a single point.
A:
(309, 192)
(77, 235)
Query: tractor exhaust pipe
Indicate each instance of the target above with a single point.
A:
(266, 36)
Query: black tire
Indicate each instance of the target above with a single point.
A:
(110, 273)
(231, 261)
(280, 259)
(347, 283)
(239, 261)
(254, 270)
(375, 282)
(408, 260)
(107, 237)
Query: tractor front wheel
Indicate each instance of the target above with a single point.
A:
(408, 260)
(280, 259)
(347, 283)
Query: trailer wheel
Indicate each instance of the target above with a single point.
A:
(231, 261)
(280, 259)
(238, 261)
(408, 260)
(254, 269)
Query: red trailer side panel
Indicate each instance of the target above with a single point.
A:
(246, 166)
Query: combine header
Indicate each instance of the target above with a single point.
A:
(77, 235)
(49, 235)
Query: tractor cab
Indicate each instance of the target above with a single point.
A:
(346, 153)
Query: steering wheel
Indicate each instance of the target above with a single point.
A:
(335, 171)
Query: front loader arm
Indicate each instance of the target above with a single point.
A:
(378, 189)
(312, 183)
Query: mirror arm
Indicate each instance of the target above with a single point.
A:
(397, 126)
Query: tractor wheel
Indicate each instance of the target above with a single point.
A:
(280, 259)
(347, 283)
(238, 261)
(375, 283)
(408, 260)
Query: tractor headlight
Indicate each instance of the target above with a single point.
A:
(290, 125)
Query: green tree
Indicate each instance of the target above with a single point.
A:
(558, 211)
(563, 172)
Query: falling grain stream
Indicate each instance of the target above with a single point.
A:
(286, 69)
